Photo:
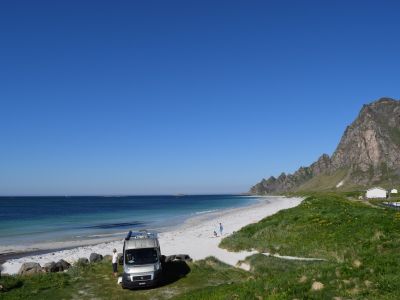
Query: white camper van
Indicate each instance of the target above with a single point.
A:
(141, 260)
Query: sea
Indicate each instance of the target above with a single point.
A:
(34, 220)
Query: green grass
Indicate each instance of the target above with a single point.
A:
(361, 245)
(44, 286)
(97, 282)
(360, 242)
(324, 182)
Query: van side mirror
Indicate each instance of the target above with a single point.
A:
(120, 259)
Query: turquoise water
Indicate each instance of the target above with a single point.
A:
(28, 220)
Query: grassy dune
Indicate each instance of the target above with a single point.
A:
(96, 281)
(361, 245)
(360, 242)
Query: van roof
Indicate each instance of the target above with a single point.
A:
(141, 243)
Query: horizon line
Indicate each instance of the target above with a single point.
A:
(129, 195)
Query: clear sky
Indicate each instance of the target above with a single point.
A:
(159, 97)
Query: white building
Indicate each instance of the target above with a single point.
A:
(376, 192)
(393, 191)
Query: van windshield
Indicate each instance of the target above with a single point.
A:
(142, 256)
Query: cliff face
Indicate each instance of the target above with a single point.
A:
(368, 153)
(370, 146)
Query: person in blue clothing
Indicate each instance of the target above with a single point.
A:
(221, 228)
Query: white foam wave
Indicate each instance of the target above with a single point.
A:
(205, 212)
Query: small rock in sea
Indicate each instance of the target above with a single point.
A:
(317, 286)
(50, 267)
(95, 257)
(62, 265)
(29, 268)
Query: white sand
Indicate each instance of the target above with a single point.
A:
(194, 237)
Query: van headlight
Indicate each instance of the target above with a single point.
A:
(157, 266)
(128, 270)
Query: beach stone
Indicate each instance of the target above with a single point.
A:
(82, 261)
(62, 265)
(107, 257)
(95, 257)
(50, 267)
(183, 257)
(170, 258)
(29, 268)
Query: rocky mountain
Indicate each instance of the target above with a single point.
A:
(368, 154)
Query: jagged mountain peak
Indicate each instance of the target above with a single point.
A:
(368, 153)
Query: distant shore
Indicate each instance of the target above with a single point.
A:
(194, 237)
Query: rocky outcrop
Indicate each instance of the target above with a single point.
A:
(95, 257)
(177, 257)
(368, 152)
(370, 146)
(120, 259)
(107, 257)
(183, 257)
(50, 267)
(291, 181)
(62, 265)
(83, 261)
(30, 268)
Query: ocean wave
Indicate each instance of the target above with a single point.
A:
(205, 212)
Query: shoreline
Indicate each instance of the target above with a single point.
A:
(19, 251)
(194, 237)
(56, 243)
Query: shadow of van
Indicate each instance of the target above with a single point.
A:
(173, 271)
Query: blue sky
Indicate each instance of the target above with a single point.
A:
(150, 97)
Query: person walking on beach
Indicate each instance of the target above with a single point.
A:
(115, 262)
(221, 228)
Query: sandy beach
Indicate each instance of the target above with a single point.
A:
(194, 237)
